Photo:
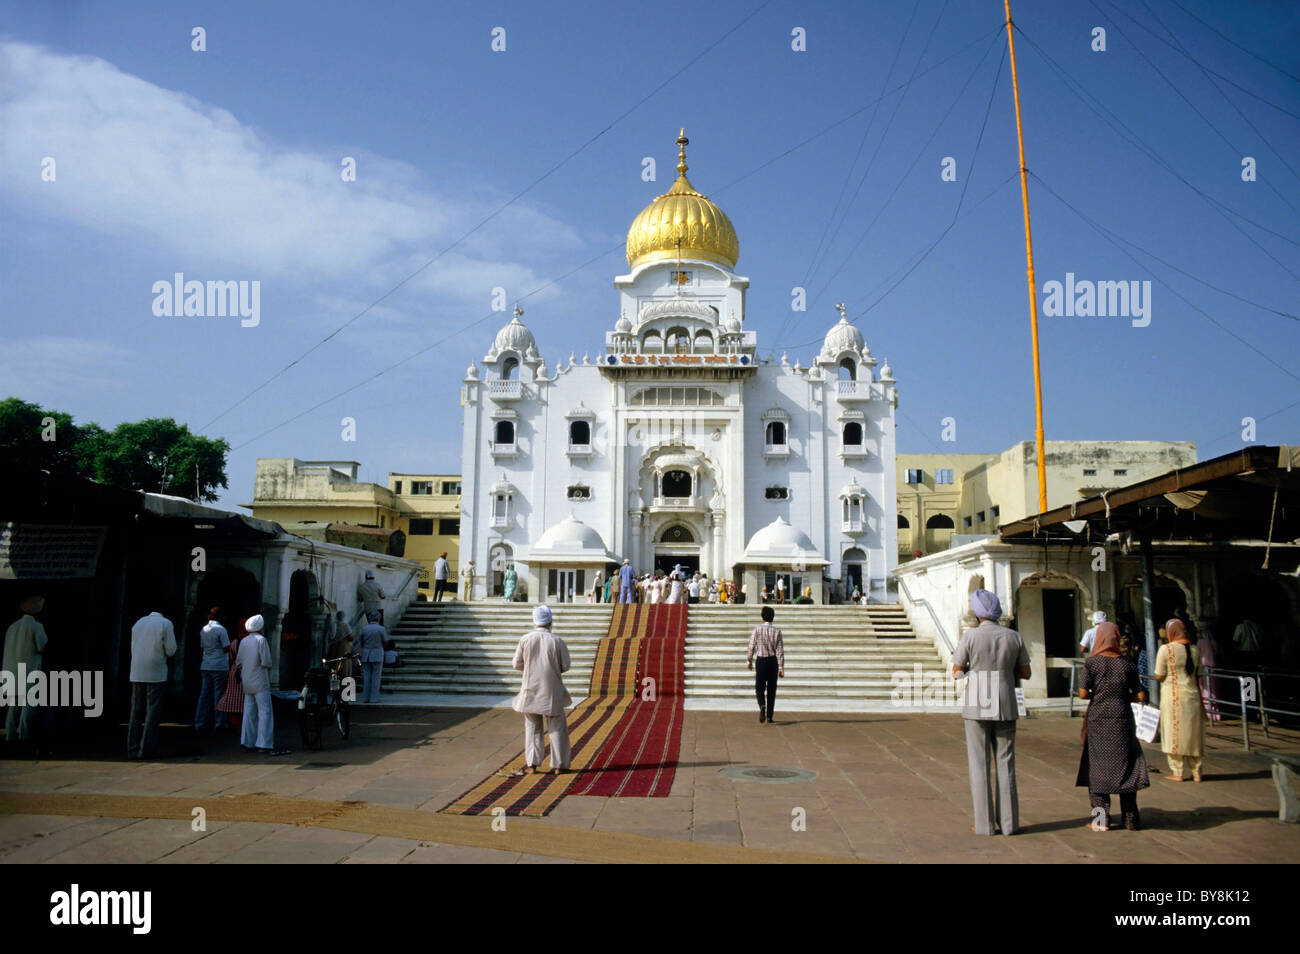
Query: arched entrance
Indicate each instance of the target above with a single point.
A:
(298, 642)
(677, 545)
(853, 571)
(499, 558)
(1048, 612)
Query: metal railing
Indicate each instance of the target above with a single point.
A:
(943, 633)
(1251, 695)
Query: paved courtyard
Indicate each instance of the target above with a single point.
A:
(883, 788)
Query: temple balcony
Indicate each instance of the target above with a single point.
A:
(677, 505)
(511, 390)
(854, 391)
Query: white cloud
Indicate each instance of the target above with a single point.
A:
(139, 161)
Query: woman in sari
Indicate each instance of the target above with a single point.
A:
(232, 700)
(1112, 761)
(511, 581)
(1182, 720)
(609, 588)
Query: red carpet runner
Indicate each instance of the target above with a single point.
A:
(637, 742)
(640, 756)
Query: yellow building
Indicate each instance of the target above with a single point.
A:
(307, 496)
(429, 513)
(942, 495)
(929, 500)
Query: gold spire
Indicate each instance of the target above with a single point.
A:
(682, 223)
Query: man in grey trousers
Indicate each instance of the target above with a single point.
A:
(991, 657)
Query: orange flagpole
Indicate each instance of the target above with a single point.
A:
(1029, 257)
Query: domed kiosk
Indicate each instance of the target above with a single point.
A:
(782, 551)
(563, 563)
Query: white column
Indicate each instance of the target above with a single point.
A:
(634, 523)
(719, 564)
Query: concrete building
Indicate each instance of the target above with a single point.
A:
(428, 510)
(942, 496)
(677, 443)
(307, 497)
(1217, 541)
(929, 500)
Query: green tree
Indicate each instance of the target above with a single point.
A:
(160, 456)
(156, 455)
(31, 436)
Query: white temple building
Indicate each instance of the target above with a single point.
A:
(676, 443)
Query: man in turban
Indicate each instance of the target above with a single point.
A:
(991, 657)
(1090, 635)
(253, 662)
(543, 658)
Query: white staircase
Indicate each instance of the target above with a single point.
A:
(456, 653)
(837, 658)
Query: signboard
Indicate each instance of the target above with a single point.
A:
(678, 359)
(32, 551)
(1147, 721)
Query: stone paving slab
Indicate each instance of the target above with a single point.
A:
(888, 787)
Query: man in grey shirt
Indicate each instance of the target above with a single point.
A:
(991, 657)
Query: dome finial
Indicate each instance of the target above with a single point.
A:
(682, 143)
(841, 309)
(519, 310)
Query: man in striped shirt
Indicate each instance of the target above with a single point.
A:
(765, 643)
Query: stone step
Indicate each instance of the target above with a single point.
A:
(842, 658)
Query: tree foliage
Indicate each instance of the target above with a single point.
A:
(156, 455)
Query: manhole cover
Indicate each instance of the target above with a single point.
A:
(764, 773)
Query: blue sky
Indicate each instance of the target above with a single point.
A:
(225, 164)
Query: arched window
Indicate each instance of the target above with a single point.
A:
(848, 370)
(703, 342)
(775, 433)
(677, 341)
(677, 483)
(652, 343)
(852, 434)
(677, 534)
(509, 368)
(505, 432)
(903, 523)
(940, 521)
(579, 432)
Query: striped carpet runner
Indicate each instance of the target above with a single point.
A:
(613, 690)
(640, 756)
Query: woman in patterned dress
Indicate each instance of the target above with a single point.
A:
(1112, 761)
(1182, 719)
(232, 700)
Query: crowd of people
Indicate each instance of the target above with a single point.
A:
(235, 685)
(675, 586)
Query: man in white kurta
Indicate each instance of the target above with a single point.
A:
(25, 642)
(543, 658)
(253, 661)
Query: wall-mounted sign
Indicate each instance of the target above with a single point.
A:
(670, 359)
(31, 551)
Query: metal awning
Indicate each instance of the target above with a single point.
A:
(1249, 494)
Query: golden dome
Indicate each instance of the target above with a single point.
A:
(682, 215)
